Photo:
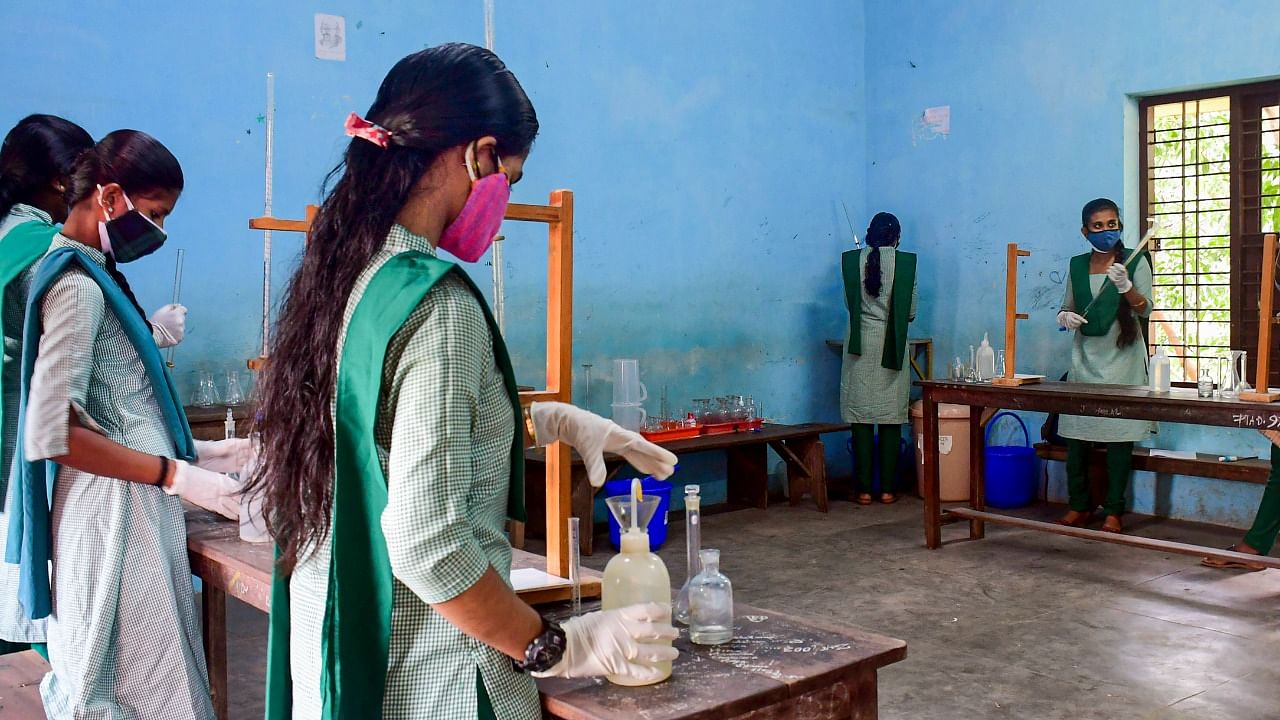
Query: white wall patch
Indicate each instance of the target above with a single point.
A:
(331, 37)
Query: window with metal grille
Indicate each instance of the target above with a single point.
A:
(1211, 180)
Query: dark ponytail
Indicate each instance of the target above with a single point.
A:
(1124, 314)
(884, 231)
(36, 153)
(430, 102)
(135, 161)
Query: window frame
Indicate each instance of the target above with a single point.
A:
(1246, 101)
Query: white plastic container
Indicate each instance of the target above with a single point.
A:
(986, 360)
(635, 575)
(1158, 371)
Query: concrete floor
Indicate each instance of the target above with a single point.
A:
(1020, 625)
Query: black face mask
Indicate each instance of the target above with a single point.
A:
(130, 236)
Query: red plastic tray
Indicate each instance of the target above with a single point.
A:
(676, 434)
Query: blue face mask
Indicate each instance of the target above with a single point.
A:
(1104, 241)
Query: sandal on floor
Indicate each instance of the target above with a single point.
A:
(863, 499)
(888, 498)
(1118, 530)
(1081, 520)
(1222, 564)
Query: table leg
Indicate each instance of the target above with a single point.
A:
(812, 456)
(214, 614)
(977, 478)
(863, 701)
(932, 502)
(748, 475)
(515, 531)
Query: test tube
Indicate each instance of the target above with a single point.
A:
(575, 575)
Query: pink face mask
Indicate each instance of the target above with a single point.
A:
(473, 231)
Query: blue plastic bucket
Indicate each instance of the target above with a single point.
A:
(657, 525)
(1010, 469)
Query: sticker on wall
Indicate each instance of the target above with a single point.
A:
(331, 37)
(933, 123)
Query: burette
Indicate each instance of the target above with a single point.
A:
(266, 234)
(499, 290)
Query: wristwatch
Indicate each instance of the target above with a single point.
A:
(544, 651)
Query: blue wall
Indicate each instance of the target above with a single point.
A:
(1043, 119)
(709, 146)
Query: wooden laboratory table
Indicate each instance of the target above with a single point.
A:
(226, 565)
(777, 666)
(748, 471)
(1180, 405)
(208, 422)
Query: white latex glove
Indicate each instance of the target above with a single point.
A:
(592, 436)
(170, 325)
(223, 456)
(253, 527)
(1070, 320)
(626, 641)
(1119, 276)
(212, 491)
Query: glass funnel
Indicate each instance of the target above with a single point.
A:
(621, 507)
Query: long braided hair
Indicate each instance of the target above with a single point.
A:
(431, 102)
(884, 231)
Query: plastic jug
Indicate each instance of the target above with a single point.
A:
(627, 388)
(629, 416)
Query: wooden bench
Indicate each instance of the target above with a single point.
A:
(1253, 470)
(748, 471)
